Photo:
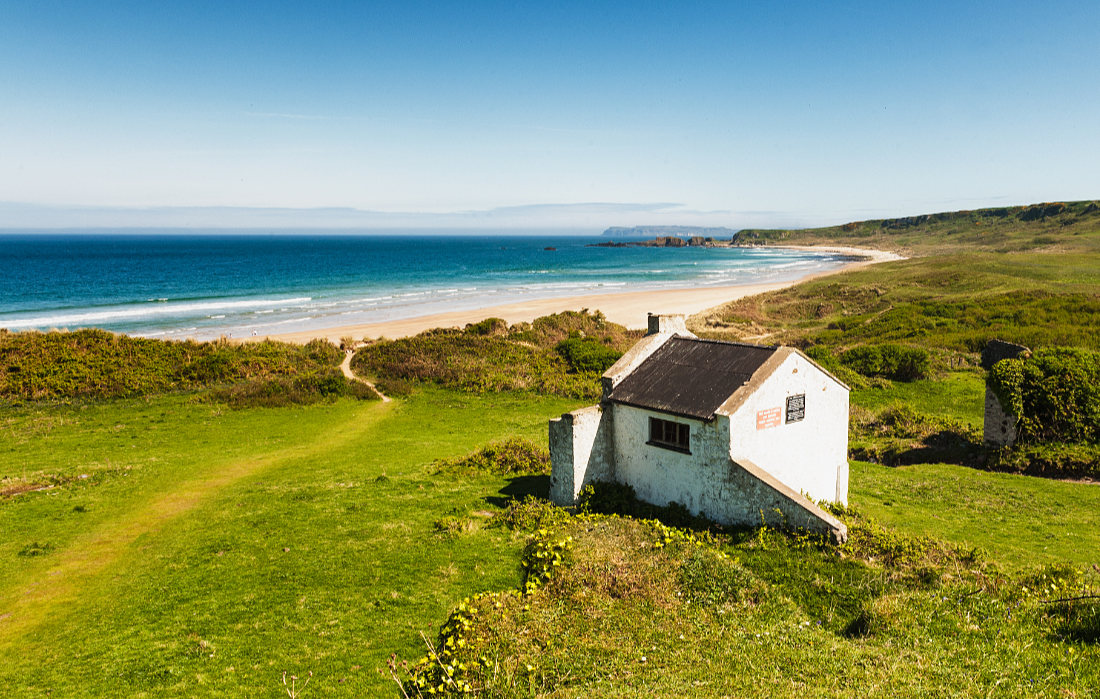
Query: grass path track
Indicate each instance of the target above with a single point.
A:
(346, 368)
(95, 552)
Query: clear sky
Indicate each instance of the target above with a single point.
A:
(587, 114)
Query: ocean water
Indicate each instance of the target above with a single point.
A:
(212, 284)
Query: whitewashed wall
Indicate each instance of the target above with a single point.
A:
(580, 452)
(810, 456)
(661, 476)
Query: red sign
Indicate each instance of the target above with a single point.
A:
(768, 418)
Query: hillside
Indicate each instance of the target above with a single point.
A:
(1049, 227)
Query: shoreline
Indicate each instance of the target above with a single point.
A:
(626, 308)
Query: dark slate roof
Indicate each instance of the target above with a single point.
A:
(690, 377)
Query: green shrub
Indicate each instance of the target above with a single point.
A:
(829, 361)
(282, 391)
(512, 456)
(1055, 394)
(489, 326)
(584, 354)
(99, 364)
(888, 361)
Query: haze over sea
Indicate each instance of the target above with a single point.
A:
(206, 284)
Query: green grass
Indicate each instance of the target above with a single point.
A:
(165, 546)
(957, 395)
(954, 303)
(1020, 521)
(166, 570)
(210, 549)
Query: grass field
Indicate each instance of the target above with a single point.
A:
(209, 550)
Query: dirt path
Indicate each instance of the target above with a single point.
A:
(51, 592)
(346, 368)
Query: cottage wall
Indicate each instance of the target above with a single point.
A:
(580, 452)
(809, 456)
(661, 475)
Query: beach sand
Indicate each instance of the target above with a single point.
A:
(629, 308)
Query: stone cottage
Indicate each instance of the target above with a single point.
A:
(742, 434)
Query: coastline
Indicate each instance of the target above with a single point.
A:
(626, 308)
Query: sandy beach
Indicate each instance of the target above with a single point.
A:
(627, 308)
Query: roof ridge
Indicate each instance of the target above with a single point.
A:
(725, 342)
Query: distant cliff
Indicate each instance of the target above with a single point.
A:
(669, 232)
(665, 241)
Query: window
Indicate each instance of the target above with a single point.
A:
(669, 435)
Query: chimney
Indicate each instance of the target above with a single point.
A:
(668, 324)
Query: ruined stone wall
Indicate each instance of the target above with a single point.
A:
(1000, 425)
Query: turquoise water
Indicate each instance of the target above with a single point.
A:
(211, 284)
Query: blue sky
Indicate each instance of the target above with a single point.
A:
(556, 114)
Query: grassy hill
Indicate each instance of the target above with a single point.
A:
(1051, 227)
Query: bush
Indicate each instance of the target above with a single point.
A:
(829, 362)
(512, 456)
(285, 390)
(584, 354)
(894, 362)
(99, 364)
(487, 357)
(1055, 394)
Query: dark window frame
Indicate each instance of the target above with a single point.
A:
(669, 434)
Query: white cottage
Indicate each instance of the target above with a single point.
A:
(742, 434)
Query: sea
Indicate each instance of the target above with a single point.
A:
(208, 284)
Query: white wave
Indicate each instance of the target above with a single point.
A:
(70, 318)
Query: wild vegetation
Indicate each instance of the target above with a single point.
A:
(561, 354)
(619, 606)
(1054, 393)
(952, 305)
(89, 364)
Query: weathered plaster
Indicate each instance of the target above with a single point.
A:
(580, 452)
(661, 475)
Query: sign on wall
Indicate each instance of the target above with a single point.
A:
(796, 408)
(768, 418)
